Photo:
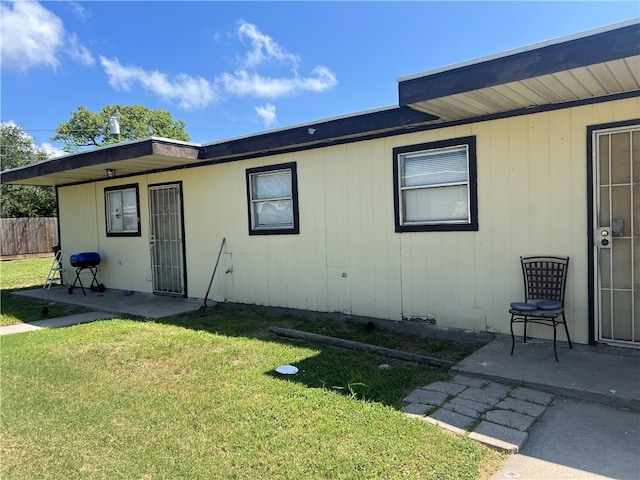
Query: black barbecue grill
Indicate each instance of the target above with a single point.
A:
(86, 261)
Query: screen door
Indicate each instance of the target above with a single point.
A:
(166, 239)
(617, 235)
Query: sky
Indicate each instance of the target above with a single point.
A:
(231, 69)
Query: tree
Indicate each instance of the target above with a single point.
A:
(16, 150)
(88, 129)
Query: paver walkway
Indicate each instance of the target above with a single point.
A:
(491, 413)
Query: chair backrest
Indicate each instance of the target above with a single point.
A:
(545, 277)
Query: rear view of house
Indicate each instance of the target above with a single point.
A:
(415, 213)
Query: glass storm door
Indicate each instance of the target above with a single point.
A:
(166, 242)
(617, 235)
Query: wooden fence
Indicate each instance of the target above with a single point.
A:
(22, 237)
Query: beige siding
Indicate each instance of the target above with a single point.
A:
(532, 199)
(78, 219)
(126, 263)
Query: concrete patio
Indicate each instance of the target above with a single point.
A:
(115, 301)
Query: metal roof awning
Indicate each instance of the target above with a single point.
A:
(596, 64)
(127, 158)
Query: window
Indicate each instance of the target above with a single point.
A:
(435, 186)
(122, 205)
(272, 194)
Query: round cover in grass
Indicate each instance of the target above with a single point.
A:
(287, 369)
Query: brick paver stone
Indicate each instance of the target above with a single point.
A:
(469, 381)
(490, 397)
(497, 388)
(426, 396)
(499, 436)
(445, 387)
(457, 408)
(521, 406)
(470, 404)
(418, 408)
(510, 419)
(523, 393)
(452, 418)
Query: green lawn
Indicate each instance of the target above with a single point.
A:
(193, 398)
(18, 274)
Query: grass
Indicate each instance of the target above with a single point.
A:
(19, 274)
(198, 398)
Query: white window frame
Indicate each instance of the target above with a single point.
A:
(255, 204)
(115, 211)
(432, 152)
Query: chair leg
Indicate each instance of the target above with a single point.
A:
(524, 337)
(555, 350)
(566, 329)
(513, 338)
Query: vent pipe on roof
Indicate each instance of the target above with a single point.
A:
(114, 124)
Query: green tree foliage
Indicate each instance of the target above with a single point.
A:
(18, 149)
(89, 129)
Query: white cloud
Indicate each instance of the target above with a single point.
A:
(189, 92)
(264, 48)
(79, 10)
(78, 52)
(32, 36)
(267, 114)
(248, 82)
(243, 83)
(197, 92)
(52, 150)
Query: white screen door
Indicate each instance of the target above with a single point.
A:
(617, 235)
(166, 242)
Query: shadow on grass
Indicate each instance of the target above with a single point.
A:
(356, 374)
(23, 310)
(352, 373)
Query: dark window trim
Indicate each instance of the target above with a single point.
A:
(473, 187)
(295, 229)
(138, 233)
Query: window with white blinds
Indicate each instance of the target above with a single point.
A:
(435, 186)
(272, 198)
(122, 206)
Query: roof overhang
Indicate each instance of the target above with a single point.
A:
(161, 154)
(321, 133)
(126, 159)
(596, 64)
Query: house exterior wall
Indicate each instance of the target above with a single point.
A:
(125, 261)
(532, 199)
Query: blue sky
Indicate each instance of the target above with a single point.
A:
(230, 69)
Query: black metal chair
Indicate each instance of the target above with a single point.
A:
(545, 281)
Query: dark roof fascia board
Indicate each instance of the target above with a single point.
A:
(579, 52)
(424, 127)
(103, 156)
(351, 139)
(389, 133)
(316, 134)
